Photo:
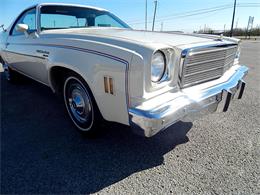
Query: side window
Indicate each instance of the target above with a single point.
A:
(105, 21)
(58, 21)
(29, 18)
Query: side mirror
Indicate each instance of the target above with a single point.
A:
(22, 28)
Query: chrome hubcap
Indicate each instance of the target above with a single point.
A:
(79, 103)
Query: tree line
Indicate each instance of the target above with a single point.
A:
(236, 32)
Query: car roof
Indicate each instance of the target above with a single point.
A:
(67, 4)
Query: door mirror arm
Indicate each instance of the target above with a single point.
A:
(35, 34)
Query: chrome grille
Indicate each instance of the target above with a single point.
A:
(204, 65)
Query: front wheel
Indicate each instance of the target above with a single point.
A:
(80, 104)
(12, 76)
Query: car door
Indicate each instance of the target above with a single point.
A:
(22, 51)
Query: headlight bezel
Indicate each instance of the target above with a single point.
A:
(158, 78)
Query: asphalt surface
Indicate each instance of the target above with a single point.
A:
(42, 153)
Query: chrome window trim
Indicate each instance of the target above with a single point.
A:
(18, 18)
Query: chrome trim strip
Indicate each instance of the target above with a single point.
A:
(216, 45)
(211, 50)
(202, 81)
(207, 61)
(208, 70)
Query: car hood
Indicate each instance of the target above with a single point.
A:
(137, 37)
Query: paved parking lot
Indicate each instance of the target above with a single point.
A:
(42, 153)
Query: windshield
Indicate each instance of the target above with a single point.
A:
(62, 17)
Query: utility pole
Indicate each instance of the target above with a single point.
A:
(249, 20)
(162, 26)
(146, 14)
(249, 26)
(155, 9)
(237, 23)
(233, 18)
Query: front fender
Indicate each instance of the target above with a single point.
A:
(93, 62)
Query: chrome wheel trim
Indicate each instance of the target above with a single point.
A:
(7, 72)
(78, 104)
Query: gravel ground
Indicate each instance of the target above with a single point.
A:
(42, 153)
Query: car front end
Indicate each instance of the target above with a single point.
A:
(185, 83)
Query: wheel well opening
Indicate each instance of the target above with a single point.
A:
(2, 64)
(57, 78)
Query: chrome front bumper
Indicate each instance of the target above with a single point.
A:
(189, 104)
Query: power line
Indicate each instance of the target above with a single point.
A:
(187, 15)
(189, 12)
(131, 21)
(199, 12)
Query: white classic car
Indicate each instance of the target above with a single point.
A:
(106, 70)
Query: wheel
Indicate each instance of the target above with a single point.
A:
(80, 105)
(11, 75)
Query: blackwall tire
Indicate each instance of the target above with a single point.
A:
(12, 76)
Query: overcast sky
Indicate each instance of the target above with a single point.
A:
(185, 15)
